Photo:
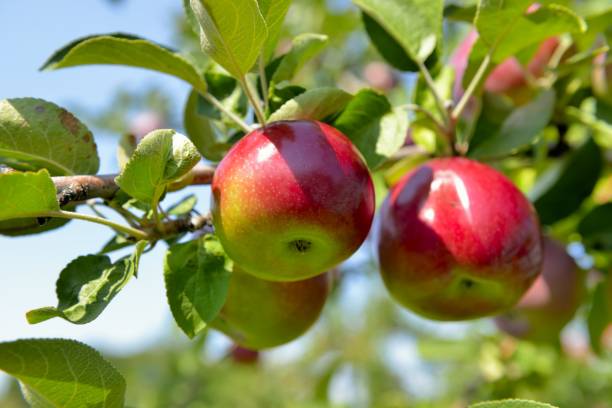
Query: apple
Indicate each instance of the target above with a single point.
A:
(380, 76)
(292, 200)
(243, 355)
(509, 77)
(260, 314)
(552, 300)
(457, 240)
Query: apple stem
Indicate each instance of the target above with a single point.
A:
(474, 83)
(217, 104)
(255, 102)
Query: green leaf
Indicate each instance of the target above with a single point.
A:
(315, 104)
(227, 91)
(160, 158)
(415, 24)
(520, 128)
(596, 227)
(87, 285)
(511, 403)
(201, 131)
(456, 12)
(197, 275)
(62, 373)
(304, 48)
(125, 149)
(391, 50)
(125, 49)
(373, 126)
(561, 192)
(27, 194)
(29, 226)
(280, 94)
(183, 207)
(232, 33)
(600, 314)
(36, 134)
(274, 12)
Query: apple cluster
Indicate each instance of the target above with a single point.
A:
(291, 200)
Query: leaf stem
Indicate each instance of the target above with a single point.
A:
(255, 103)
(263, 81)
(432, 87)
(136, 233)
(472, 87)
(217, 104)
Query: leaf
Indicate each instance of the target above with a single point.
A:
(511, 403)
(280, 94)
(373, 126)
(391, 50)
(520, 128)
(87, 285)
(600, 314)
(304, 48)
(125, 49)
(274, 12)
(315, 104)
(125, 149)
(201, 132)
(27, 194)
(227, 90)
(62, 373)
(197, 275)
(573, 183)
(456, 12)
(415, 24)
(160, 158)
(36, 134)
(232, 33)
(596, 227)
(183, 207)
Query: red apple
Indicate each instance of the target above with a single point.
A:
(509, 77)
(259, 314)
(243, 355)
(458, 241)
(292, 200)
(552, 300)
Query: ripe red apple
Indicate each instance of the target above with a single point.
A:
(509, 77)
(552, 300)
(243, 355)
(292, 200)
(259, 314)
(458, 241)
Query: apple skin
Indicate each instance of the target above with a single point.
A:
(292, 200)
(260, 314)
(552, 300)
(458, 241)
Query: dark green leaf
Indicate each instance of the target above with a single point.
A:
(197, 275)
(280, 94)
(62, 373)
(87, 285)
(373, 126)
(520, 128)
(304, 48)
(391, 50)
(125, 49)
(600, 314)
(572, 183)
(414, 24)
(596, 227)
(36, 134)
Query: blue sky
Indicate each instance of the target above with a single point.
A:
(29, 32)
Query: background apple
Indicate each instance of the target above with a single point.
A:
(458, 241)
(552, 300)
(380, 76)
(243, 355)
(259, 314)
(292, 200)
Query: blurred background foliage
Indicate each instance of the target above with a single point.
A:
(365, 351)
